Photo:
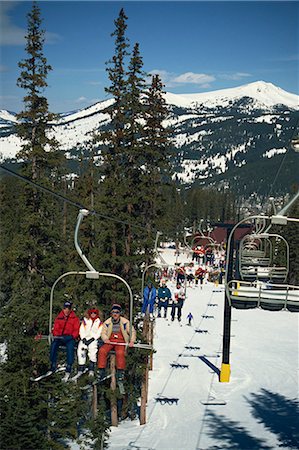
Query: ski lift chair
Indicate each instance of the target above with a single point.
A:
(265, 266)
(271, 297)
(258, 285)
(91, 273)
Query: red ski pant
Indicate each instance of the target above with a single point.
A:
(119, 352)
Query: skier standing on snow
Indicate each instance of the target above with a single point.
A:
(200, 275)
(65, 332)
(149, 298)
(116, 330)
(189, 317)
(178, 302)
(164, 296)
(90, 332)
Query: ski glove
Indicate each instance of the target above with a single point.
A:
(87, 341)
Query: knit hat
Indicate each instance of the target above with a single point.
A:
(93, 310)
(115, 307)
(68, 305)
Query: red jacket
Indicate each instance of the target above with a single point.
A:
(66, 325)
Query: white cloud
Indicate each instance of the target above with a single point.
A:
(11, 34)
(194, 78)
(81, 100)
(87, 101)
(171, 79)
(235, 76)
(202, 80)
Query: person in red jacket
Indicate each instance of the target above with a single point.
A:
(65, 332)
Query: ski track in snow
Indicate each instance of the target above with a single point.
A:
(263, 356)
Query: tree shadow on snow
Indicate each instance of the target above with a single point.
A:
(231, 435)
(277, 413)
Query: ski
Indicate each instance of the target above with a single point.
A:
(96, 382)
(78, 375)
(101, 381)
(48, 374)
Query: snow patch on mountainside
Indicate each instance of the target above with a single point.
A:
(9, 146)
(273, 152)
(182, 139)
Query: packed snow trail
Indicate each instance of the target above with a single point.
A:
(259, 397)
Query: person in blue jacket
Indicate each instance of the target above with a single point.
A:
(149, 298)
(164, 295)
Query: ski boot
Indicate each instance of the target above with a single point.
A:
(120, 377)
(66, 377)
(81, 370)
(67, 373)
(91, 369)
(101, 375)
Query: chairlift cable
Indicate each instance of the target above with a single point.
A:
(67, 200)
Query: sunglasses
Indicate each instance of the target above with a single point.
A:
(115, 312)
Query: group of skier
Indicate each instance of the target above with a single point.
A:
(96, 340)
(163, 298)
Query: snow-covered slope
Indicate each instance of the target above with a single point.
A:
(7, 117)
(261, 397)
(263, 94)
(213, 133)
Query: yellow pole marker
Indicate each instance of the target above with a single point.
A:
(225, 373)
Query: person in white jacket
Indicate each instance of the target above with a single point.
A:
(177, 302)
(90, 331)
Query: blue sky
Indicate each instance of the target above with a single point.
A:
(196, 46)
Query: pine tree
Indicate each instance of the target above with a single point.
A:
(119, 188)
(133, 159)
(111, 197)
(292, 236)
(33, 253)
(157, 172)
(36, 117)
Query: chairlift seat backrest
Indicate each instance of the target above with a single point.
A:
(268, 296)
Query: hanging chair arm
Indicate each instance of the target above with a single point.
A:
(82, 213)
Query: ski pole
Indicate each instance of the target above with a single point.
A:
(137, 345)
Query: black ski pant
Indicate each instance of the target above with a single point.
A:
(178, 306)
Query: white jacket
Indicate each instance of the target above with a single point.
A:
(90, 329)
(178, 293)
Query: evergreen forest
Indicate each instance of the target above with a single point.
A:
(130, 196)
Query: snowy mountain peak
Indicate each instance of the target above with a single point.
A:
(7, 116)
(265, 95)
(214, 132)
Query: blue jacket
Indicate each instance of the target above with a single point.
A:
(149, 295)
(164, 292)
